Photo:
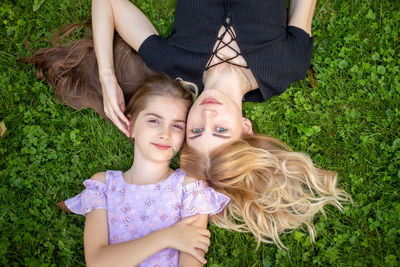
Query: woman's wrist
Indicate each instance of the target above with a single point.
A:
(107, 71)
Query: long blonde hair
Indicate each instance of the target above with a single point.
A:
(272, 189)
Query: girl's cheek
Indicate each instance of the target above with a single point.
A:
(179, 138)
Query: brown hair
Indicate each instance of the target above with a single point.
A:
(272, 189)
(71, 69)
(156, 85)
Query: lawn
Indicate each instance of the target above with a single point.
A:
(346, 116)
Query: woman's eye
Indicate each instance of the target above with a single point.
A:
(197, 130)
(153, 121)
(221, 129)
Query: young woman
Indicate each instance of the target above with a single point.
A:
(134, 217)
(240, 50)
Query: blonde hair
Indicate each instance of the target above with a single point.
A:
(272, 189)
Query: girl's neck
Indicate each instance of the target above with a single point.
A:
(144, 171)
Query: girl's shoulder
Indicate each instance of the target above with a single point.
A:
(186, 180)
(100, 177)
(107, 176)
(189, 179)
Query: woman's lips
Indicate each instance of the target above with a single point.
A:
(161, 147)
(210, 100)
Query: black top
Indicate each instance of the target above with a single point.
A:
(277, 54)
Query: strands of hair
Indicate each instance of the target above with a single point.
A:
(72, 70)
(272, 189)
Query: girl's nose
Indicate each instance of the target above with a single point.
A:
(165, 133)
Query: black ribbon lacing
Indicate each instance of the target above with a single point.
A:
(221, 44)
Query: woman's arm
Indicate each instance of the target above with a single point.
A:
(182, 236)
(301, 13)
(131, 24)
(134, 28)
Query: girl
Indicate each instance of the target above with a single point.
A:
(133, 217)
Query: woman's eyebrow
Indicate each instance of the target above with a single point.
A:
(216, 135)
(222, 136)
(194, 137)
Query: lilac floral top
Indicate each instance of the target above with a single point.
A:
(134, 211)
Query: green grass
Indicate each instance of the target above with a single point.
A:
(349, 123)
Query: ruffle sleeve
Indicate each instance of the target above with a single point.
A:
(198, 197)
(92, 198)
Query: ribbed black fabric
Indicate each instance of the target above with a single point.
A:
(276, 54)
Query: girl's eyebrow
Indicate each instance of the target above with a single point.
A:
(153, 114)
(161, 117)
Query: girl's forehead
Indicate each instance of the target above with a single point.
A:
(166, 106)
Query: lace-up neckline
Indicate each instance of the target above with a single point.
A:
(221, 44)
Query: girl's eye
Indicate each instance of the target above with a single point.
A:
(153, 121)
(178, 126)
(221, 129)
(197, 130)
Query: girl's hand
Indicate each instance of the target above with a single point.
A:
(113, 101)
(187, 238)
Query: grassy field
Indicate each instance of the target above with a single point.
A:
(349, 121)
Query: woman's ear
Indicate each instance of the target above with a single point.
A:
(247, 127)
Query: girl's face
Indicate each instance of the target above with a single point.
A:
(159, 129)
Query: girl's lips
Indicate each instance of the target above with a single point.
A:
(210, 100)
(161, 147)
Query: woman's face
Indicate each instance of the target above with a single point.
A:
(159, 129)
(213, 120)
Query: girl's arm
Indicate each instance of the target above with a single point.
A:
(186, 259)
(181, 236)
(301, 13)
(134, 28)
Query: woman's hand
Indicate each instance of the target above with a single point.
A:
(187, 238)
(113, 101)
(107, 16)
